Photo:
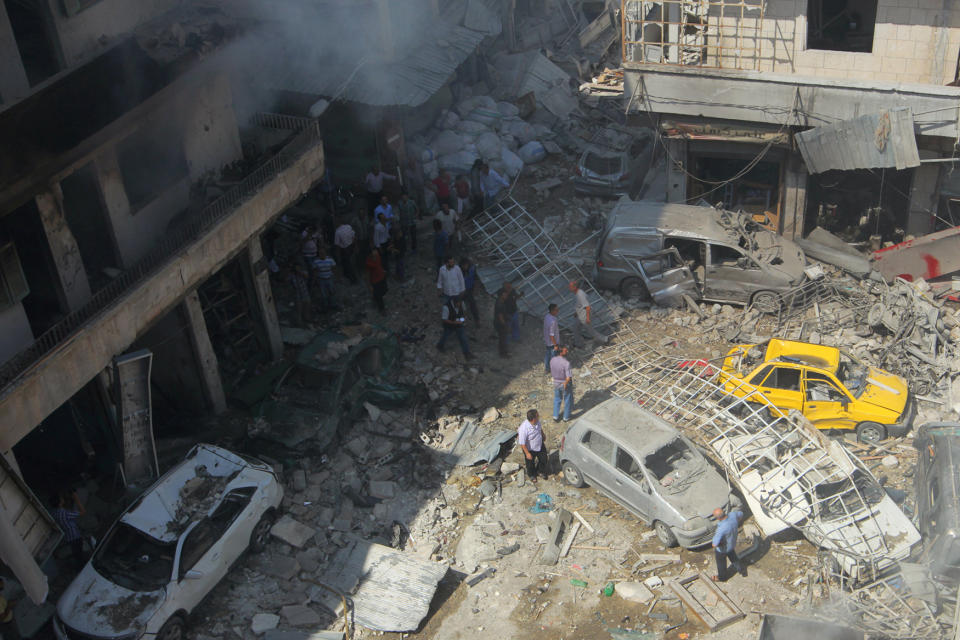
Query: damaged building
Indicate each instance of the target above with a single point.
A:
(833, 114)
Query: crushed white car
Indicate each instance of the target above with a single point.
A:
(170, 548)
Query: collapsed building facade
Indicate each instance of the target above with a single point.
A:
(841, 115)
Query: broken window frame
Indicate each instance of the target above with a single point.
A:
(719, 34)
(817, 22)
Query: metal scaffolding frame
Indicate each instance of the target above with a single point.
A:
(723, 34)
(516, 248)
(787, 469)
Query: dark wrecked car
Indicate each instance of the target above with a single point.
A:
(170, 548)
(615, 163)
(309, 403)
(666, 251)
(938, 497)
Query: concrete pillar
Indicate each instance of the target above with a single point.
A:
(924, 195)
(13, 77)
(73, 289)
(262, 308)
(794, 198)
(203, 350)
(114, 196)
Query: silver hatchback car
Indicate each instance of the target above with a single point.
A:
(645, 464)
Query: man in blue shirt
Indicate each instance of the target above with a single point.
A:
(725, 543)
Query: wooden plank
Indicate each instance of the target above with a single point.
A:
(566, 545)
(692, 603)
(736, 613)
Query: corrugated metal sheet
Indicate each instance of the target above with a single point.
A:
(409, 79)
(392, 590)
(885, 139)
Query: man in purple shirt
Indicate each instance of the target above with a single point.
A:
(530, 439)
(562, 385)
(551, 334)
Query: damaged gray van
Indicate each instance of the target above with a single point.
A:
(666, 250)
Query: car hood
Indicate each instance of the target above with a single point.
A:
(95, 606)
(885, 390)
(887, 536)
(704, 494)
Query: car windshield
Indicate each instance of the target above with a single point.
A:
(841, 499)
(675, 465)
(602, 165)
(852, 374)
(134, 560)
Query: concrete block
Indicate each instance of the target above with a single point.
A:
(307, 562)
(299, 479)
(282, 567)
(264, 622)
(298, 615)
(653, 582)
(294, 533)
(383, 489)
(634, 591)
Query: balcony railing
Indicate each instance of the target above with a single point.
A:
(172, 244)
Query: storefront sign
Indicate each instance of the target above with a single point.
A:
(722, 131)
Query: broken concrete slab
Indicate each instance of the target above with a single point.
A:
(826, 247)
(559, 527)
(383, 489)
(634, 591)
(298, 615)
(492, 414)
(298, 479)
(264, 622)
(294, 533)
(392, 590)
(373, 411)
(282, 567)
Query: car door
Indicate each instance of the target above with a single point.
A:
(730, 275)
(825, 402)
(212, 545)
(630, 485)
(782, 387)
(597, 463)
(665, 275)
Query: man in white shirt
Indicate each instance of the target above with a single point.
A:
(449, 221)
(373, 183)
(584, 324)
(530, 439)
(386, 209)
(344, 240)
(491, 183)
(450, 280)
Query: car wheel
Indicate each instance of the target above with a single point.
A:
(766, 301)
(870, 432)
(572, 475)
(173, 629)
(633, 288)
(261, 533)
(665, 534)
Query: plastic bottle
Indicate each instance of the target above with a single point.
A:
(608, 589)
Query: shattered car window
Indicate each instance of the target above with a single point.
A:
(598, 444)
(602, 165)
(134, 560)
(837, 500)
(821, 389)
(674, 465)
(627, 464)
(852, 374)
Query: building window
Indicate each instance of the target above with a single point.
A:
(151, 160)
(841, 25)
(13, 284)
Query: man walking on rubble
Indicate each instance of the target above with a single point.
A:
(584, 324)
(450, 281)
(551, 335)
(454, 317)
(562, 385)
(344, 240)
(725, 543)
(530, 439)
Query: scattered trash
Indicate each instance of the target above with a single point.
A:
(543, 505)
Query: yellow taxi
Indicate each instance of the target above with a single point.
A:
(828, 387)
